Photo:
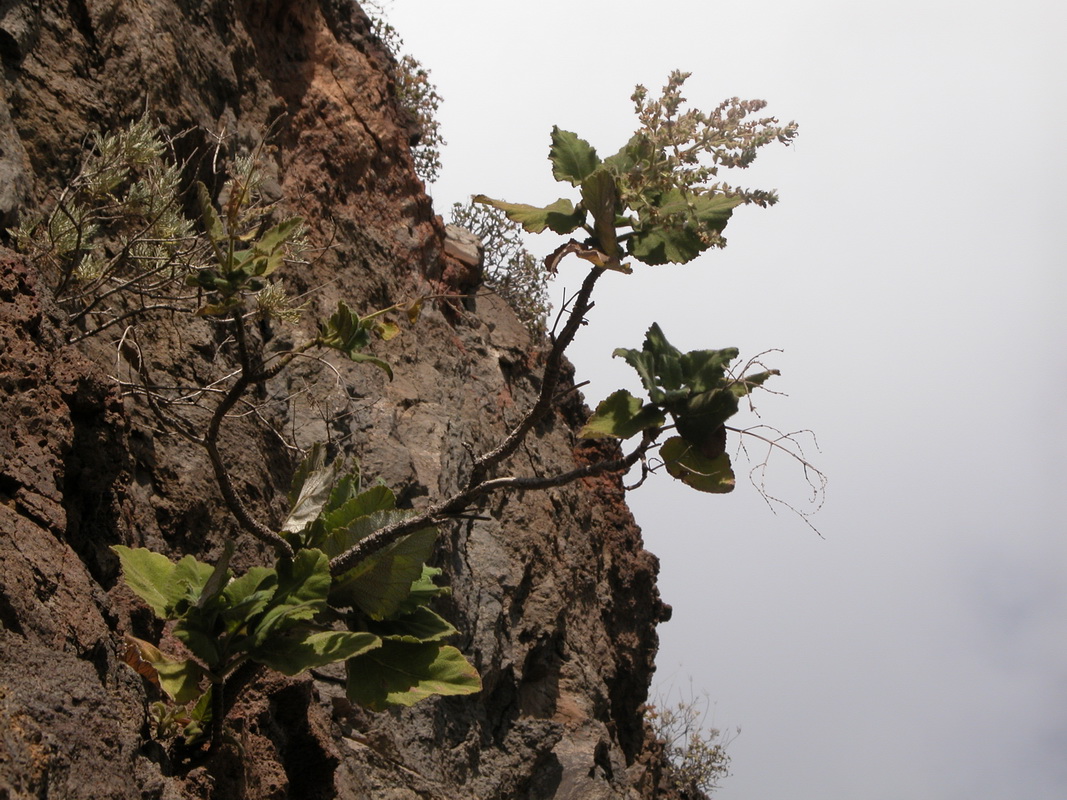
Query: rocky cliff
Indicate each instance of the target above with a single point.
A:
(553, 594)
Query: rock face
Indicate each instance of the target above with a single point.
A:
(553, 594)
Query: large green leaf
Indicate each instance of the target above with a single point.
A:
(621, 416)
(421, 625)
(270, 248)
(151, 576)
(246, 597)
(192, 576)
(656, 244)
(303, 585)
(714, 211)
(685, 463)
(704, 414)
(573, 159)
(560, 217)
(295, 651)
(399, 673)
(375, 499)
(704, 370)
(379, 585)
(645, 364)
(346, 487)
(340, 538)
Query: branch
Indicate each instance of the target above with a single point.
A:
(549, 381)
(233, 502)
(456, 504)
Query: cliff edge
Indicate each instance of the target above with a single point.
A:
(554, 597)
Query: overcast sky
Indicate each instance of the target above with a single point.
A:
(913, 274)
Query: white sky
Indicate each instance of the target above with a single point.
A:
(913, 274)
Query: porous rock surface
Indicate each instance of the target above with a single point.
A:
(553, 595)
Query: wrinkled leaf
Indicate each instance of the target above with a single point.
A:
(423, 591)
(559, 217)
(704, 370)
(704, 414)
(421, 625)
(660, 245)
(633, 153)
(212, 222)
(246, 597)
(380, 584)
(573, 159)
(292, 653)
(220, 575)
(621, 416)
(685, 463)
(401, 674)
(746, 384)
(303, 585)
(151, 576)
(375, 499)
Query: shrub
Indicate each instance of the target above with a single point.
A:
(415, 93)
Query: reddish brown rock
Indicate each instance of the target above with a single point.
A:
(553, 594)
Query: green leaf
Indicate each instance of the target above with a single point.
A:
(655, 245)
(685, 463)
(423, 591)
(218, 579)
(212, 223)
(379, 585)
(645, 364)
(573, 159)
(711, 408)
(560, 217)
(293, 652)
(179, 679)
(704, 370)
(600, 196)
(621, 416)
(701, 421)
(192, 576)
(346, 487)
(246, 597)
(714, 211)
(401, 674)
(277, 236)
(303, 585)
(364, 358)
(633, 153)
(421, 625)
(746, 384)
(375, 499)
(346, 332)
(151, 576)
